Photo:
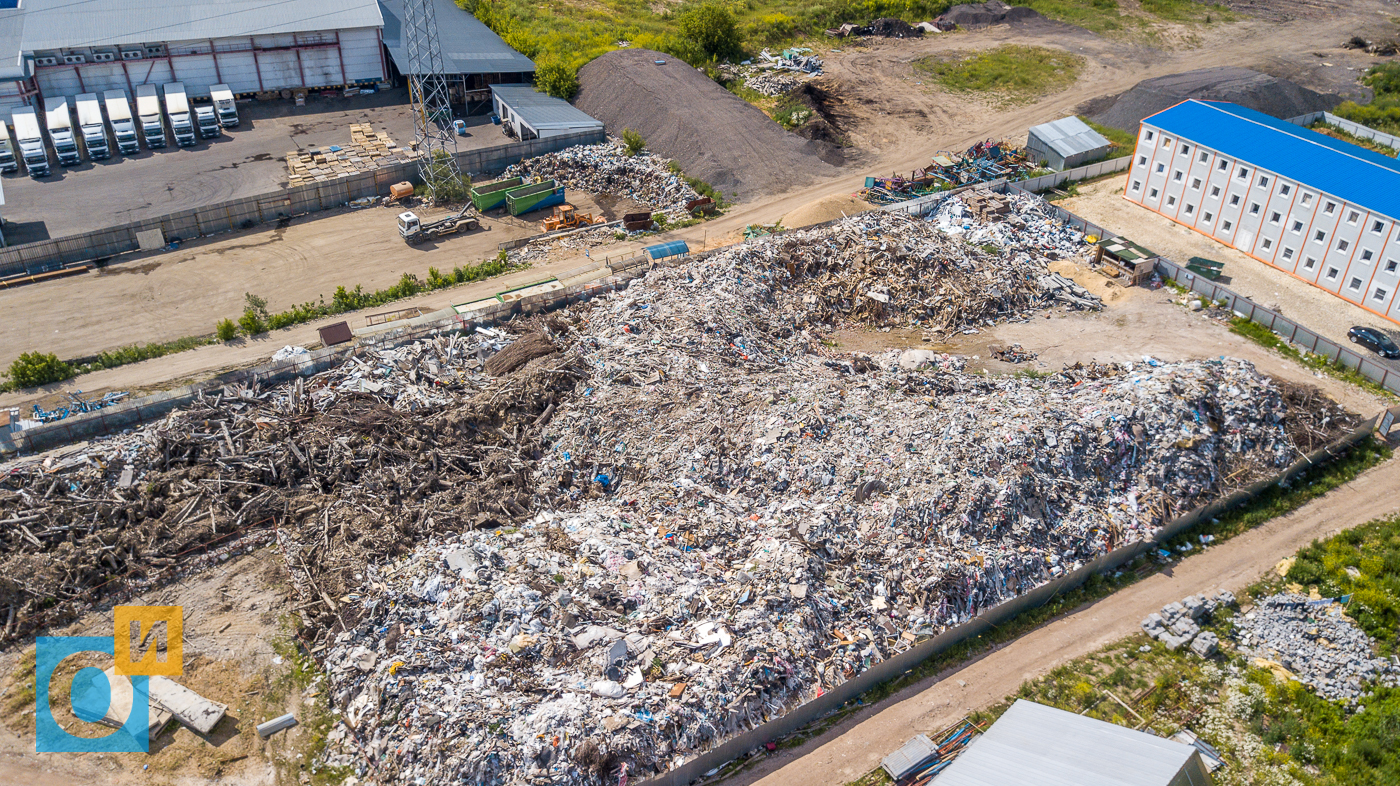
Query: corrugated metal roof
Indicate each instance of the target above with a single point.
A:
(60, 24)
(670, 249)
(1343, 170)
(468, 46)
(1069, 136)
(1033, 743)
(12, 62)
(541, 111)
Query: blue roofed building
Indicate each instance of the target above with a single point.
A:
(1315, 207)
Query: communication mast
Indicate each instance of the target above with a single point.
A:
(434, 140)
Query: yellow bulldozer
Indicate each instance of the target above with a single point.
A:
(568, 217)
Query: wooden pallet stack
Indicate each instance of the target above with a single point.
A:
(368, 149)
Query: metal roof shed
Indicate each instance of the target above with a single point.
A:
(1066, 143)
(672, 249)
(1036, 744)
(535, 115)
(468, 46)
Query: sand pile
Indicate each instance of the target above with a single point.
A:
(712, 133)
(825, 209)
(1270, 95)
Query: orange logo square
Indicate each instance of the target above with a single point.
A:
(140, 630)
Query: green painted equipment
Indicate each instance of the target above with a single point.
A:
(489, 196)
(534, 197)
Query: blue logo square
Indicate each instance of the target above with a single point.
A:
(90, 698)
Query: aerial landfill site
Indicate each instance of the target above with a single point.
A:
(589, 545)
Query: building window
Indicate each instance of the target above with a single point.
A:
(1355, 285)
(1153, 193)
(1288, 253)
(1234, 200)
(1161, 168)
(1171, 200)
(1351, 218)
(1244, 173)
(1307, 199)
(1215, 191)
(1332, 273)
(1263, 182)
(1268, 244)
(1254, 209)
(1380, 294)
(1331, 207)
(1390, 265)
(1297, 227)
(1177, 178)
(1366, 255)
(1320, 236)
(1149, 136)
(1166, 141)
(1285, 189)
(1225, 227)
(1185, 149)
(1137, 185)
(1190, 209)
(1310, 263)
(1142, 160)
(1204, 156)
(1342, 245)
(1274, 219)
(1196, 184)
(1378, 227)
(1224, 165)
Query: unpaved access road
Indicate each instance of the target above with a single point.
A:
(856, 745)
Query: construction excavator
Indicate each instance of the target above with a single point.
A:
(567, 216)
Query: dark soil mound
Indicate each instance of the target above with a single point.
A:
(894, 28)
(1270, 95)
(713, 134)
(992, 13)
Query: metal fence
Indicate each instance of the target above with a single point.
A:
(1355, 129)
(247, 212)
(1086, 172)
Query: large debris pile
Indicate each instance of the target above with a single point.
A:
(607, 169)
(736, 521)
(1316, 641)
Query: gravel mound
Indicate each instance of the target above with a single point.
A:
(1270, 95)
(1317, 642)
(713, 134)
(981, 14)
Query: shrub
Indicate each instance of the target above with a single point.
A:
(33, 369)
(556, 79)
(634, 142)
(226, 330)
(712, 28)
(251, 323)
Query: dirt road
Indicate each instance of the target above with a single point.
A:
(856, 745)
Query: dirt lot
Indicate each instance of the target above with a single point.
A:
(247, 160)
(1102, 202)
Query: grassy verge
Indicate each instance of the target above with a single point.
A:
(1268, 339)
(1123, 141)
(1013, 73)
(1275, 502)
(1108, 17)
(1383, 113)
(1323, 127)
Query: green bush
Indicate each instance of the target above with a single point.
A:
(556, 79)
(634, 142)
(713, 29)
(32, 369)
(226, 330)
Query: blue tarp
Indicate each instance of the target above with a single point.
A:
(671, 249)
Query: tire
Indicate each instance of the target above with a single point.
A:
(1352, 339)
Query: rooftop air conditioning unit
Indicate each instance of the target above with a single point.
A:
(45, 61)
(155, 51)
(133, 55)
(74, 59)
(103, 57)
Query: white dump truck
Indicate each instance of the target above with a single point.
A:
(60, 121)
(93, 129)
(123, 127)
(224, 105)
(177, 108)
(148, 110)
(31, 142)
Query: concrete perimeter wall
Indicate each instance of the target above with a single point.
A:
(248, 212)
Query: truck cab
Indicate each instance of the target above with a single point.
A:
(148, 113)
(60, 121)
(224, 105)
(177, 108)
(207, 122)
(409, 225)
(31, 142)
(7, 153)
(90, 123)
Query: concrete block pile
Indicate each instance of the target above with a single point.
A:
(1317, 642)
(1179, 623)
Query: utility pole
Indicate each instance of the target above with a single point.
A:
(434, 140)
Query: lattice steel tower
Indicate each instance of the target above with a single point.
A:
(427, 91)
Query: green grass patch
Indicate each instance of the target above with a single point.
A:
(1268, 339)
(1383, 113)
(1124, 142)
(1107, 17)
(1323, 127)
(1013, 72)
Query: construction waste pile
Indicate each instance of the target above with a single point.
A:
(1315, 641)
(1179, 624)
(981, 163)
(775, 75)
(606, 168)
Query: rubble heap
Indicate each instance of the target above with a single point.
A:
(1316, 641)
(1179, 623)
(733, 521)
(607, 169)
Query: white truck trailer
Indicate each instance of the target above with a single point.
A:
(93, 129)
(224, 105)
(60, 121)
(123, 127)
(177, 108)
(31, 142)
(148, 110)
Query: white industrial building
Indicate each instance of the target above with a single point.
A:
(534, 115)
(1312, 206)
(58, 47)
